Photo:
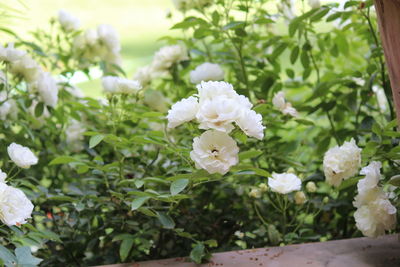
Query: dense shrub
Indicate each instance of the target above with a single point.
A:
(230, 165)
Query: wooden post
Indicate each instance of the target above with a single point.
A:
(388, 12)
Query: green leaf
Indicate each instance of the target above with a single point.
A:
(197, 253)
(233, 25)
(137, 203)
(349, 182)
(126, 246)
(165, 220)
(178, 186)
(39, 109)
(62, 160)
(61, 198)
(7, 257)
(294, 54)
(25, 258)
(249, 154)
(395, 180)
(95, 140)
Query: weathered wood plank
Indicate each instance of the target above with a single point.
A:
(388, 12)
(357, 252)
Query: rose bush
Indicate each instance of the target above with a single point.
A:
(263, 124)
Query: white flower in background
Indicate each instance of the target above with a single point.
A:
(5, 108)
(215, 152)
(74, 135)
(10, 54)
(109, 37)
(3, 78)
(47, 89)
(218, 114)
(68, 22)
(255, 193)
(15, 207)
(75, 91)
(341, 163)
(284, 183)
(280, 103)
(144, 75)
(381, 97)
(374, 213)
(182, 111)
(118, 85)
(27, 67)
(287, 8)
(251, 124)
(300, 198)
(311, 187)
(21, 156)
(207, 72)
(167, 56)
(3, 176)
(155, 100)
(314, 3)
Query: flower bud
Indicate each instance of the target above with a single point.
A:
(255, 192)
(300, 198)
(311, 187)
(263, 187)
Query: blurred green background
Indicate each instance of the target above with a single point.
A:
(140, 23)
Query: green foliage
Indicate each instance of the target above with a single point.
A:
(127, 190)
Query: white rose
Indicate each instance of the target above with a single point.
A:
(251, 124)
(214, 151)
(314, 3)
(210, 90)
(27, 67)
(284, 183)
(311, 187)
(5, 108)
(91, 37)
(15, 207)
(341, 163)
(144, 75)
(3, 176)
(68, 22)
(376, 217)
(109, 37)
(381, 97)
(167, 56)
(74, 135)
(280, 103)
(47, 89)
(218, 114)
(10, 54)
(155, 100)
(300, 198)
(182, 111)
(207, 72)
(118, 85)
(21, 156)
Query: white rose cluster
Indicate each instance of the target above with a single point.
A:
(68, 22)
(184, 5)
(101, 43)
(375, 214)
(118, 85)
(167, 56)
(341, 163)
(38, 81)
(284, 183)
(207, 72)
(216, 108)
(280, 103)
